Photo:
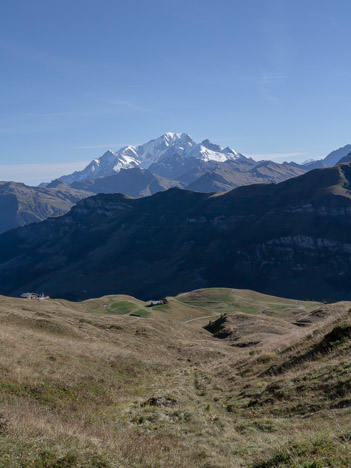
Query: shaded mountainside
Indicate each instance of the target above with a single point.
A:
(133, 182)
(237, 172)
(179, 239)
(111, 382)
(345, 159)
(333, 158)
(21, 204)
(191, 173)
(291, 239)
(232, 174)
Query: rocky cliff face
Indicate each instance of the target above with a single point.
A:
(290, 239)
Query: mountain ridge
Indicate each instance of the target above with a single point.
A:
(136, 182)
(159, 155)
(21, 204)
(172, 160)
(178, 158)
(151, 152)
(290, 239)
(333, 158)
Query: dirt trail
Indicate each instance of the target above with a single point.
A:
(203, 317)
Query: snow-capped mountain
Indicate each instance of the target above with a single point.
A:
(155, 151)
(109, 163)
(207, 151)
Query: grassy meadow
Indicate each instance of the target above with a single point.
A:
(89, 385)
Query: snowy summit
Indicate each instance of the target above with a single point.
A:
(155, 151)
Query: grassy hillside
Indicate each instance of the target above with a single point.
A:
(267, 384)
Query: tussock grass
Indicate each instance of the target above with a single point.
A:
(75, 381)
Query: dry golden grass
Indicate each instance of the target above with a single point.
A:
(75, 379)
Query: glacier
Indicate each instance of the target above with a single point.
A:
(154, 151)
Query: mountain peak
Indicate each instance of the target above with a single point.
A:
(176, 136)
(172, 138)
(231, 151)
(168, 146)
(211, 146)
(107, 155)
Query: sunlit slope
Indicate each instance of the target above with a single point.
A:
(224, 300)
(111, 382)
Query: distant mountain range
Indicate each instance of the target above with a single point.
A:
(291, 239)
(176, 157)
(330, 160)
(159, 152)
(176, 160)
(172, 160)
(135, 182)
(21, 205)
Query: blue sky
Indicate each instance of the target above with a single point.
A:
(270, 78)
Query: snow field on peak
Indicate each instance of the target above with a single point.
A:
(151, 152)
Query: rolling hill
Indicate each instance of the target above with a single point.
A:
(215, 378)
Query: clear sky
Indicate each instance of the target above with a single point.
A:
(270, 78)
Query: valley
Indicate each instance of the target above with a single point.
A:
(175, 234)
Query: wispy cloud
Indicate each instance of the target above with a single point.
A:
(35, 173)
(107, 145)
(28, 122)
(267, 81)
(124, 105)
(270, 78)
(24, 53)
